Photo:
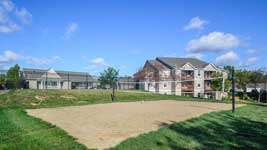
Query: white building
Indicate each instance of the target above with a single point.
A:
(51, 79)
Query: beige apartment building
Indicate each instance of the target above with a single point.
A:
(178, 76)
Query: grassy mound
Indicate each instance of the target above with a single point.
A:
(54, 98)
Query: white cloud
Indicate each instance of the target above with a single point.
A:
(227, 59)
(97, 64)
(7, 5)
(10, 27)
(9, 56)
(194, 55)
(250, 51)
(249, 62)
(24, 15)
(42, 61)
(196, 23)
(12, 18)
(71, 28)
(213, 42)
(99, 61)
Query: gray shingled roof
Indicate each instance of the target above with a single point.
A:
(173, 62)
(36, 74)
(157, 64)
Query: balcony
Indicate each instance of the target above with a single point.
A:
(187, 87)
(187, 75)
(208, 75)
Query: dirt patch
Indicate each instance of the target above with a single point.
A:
(68, 97)
(40, 98)
(106, 125)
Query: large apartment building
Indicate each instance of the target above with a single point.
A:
(179, 76)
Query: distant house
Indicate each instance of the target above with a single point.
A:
(51, 79)
(258, 87)
(179, 76)
(126, 83)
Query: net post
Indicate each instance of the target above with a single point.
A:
(233, 89)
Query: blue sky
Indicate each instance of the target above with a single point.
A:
(82, 35)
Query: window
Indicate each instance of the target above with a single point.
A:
(51, 83)
(198, 85)
(165, 84)
(208, 84)
(150, 74)
(198, 73)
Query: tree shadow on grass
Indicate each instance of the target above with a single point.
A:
(221, 131)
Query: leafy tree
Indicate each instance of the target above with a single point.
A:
(229, 69)
(216, 84)
(257, 77)
(2, 81)
(13, 77)
(108, 77)
(242, 79)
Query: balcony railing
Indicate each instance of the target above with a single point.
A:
(187, 77)
(187, 88)
(207, 88)
(208, 75)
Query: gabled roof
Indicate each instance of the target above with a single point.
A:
(51, 73)
(174, 62)
(36, 74)
(158, 65)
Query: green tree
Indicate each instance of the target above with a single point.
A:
(2, 81)
(217, 83)
(108, 77)
(242, 79)
(13, 77)
(257, 77)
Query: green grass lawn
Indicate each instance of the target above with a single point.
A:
(247, 128)
(55, 98)
(18, 131)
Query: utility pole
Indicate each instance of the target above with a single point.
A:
(233, 89)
